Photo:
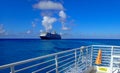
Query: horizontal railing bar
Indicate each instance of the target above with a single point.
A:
(65, 56)
(108, 52)
(106, 61)
(103, 60)
(102, 57)
(66, 59)
(104, 46)
(79, 61)
(116, 53)
(65, 68)
(116, 68)
(51, 70)
(115, 50)
(108, 57)
(78, 57)
(118, 62)
(80, 64)
(34, 65)
(65, 64)
(43, 68)
(102, 50)
(101, 45)
(88, 46)
(82, 67)
(105, 65)
(116, 56)
(95, 54)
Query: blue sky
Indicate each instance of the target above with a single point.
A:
(78, 19)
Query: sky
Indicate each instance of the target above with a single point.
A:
(86, 19)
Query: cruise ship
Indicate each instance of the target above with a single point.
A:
(49, 35)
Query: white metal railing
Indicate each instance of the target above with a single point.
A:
(70, 61)
(110, 57)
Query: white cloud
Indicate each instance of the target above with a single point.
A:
(47, 8)
(2, 30)
(65, 28)
(29, 32)
(41, 30)
(33, 24)
(47, 22)
(48, 5)
(62, 14)
(63, 17)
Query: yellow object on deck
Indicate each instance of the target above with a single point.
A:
(99, 57)
(102, 69)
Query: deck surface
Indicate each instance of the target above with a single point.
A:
(94, 71)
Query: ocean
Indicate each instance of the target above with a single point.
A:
(13, 50)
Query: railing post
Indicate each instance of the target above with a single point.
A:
(12, 69)
(86, 58)
(111, 61)
(91, 55)
(75, 61)
(56, 63)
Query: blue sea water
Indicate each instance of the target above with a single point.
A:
(13, 50)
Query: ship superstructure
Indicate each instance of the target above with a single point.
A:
(50, 35)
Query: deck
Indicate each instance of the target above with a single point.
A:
(93, 71)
